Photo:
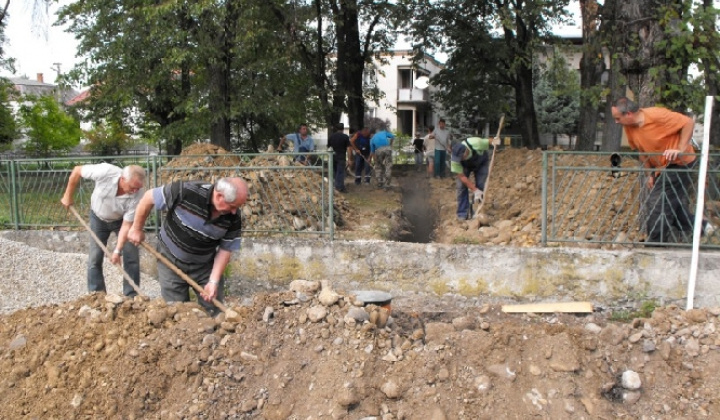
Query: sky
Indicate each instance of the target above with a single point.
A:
(38, 45)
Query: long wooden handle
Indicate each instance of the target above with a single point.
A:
(182, 275)
(492, 161)
(125, 275)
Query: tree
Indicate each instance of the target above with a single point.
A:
(47, 127)
(7, 120)
(557, 97)
(491, 43)
(107, 139)
(334, 41)
(707, 44)
(592, 66)
(197, 70)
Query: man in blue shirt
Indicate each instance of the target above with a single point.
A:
(302, 143)
(381, 154)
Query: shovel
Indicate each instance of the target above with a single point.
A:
(185, 277)
(492, 161)
(97, 240)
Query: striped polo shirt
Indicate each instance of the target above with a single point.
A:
(189, 232)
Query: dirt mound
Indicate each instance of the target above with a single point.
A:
(299, 355)
(512, 211)
(279, 199)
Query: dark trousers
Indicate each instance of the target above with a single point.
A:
(340, 167)
(667, 205)
(479, 168)
(130, 257)
(361, 165)
(174, 289)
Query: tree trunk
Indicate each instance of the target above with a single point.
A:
(712, 85)
(352, 82)
(611, 31)
(612, 132)
(638, 32)
(526, 107)
(219, 71)
(592, 65)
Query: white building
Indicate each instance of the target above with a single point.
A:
(408, 108)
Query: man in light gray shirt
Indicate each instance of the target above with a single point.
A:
(112, 209)
(442, 147)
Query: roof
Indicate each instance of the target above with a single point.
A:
(27, 86)
(78, 98)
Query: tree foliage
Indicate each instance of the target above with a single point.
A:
(557, 96)
(47, 127)
(107, 139)
(491, 47)
(206, 70)
(335, 40)
(236, 73)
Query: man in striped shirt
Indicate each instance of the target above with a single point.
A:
(200, 232)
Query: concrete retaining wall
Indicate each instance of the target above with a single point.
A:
(604, 277)
(551, 273)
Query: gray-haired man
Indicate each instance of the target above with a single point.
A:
(112, 209)
(200, 232)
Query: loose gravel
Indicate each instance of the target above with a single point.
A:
(33, 276)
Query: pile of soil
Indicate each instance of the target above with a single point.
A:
(302, 354)
(315, 353)
(279, 200)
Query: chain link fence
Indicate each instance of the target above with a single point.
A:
(605, 198)
(285, 198)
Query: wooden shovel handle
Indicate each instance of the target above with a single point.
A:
(125, 275)
(492, 162)
(182, 275)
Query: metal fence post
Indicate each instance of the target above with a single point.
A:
(544, 194)
(331, 191)
(14, 195)
(155, 167)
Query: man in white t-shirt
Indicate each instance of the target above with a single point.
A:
(112, 209)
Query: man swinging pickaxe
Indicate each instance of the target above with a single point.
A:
(360, 143)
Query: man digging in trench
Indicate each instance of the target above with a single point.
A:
(470, 157)
(200, 232)
(112, 209)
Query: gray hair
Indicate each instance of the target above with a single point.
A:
(625, 105)
(225, 187)
(133, 171)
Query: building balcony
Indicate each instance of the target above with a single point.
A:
(413, 95)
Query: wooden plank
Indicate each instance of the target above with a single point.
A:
(570, 307)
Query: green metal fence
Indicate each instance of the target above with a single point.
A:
(603, 198)
(285, 198)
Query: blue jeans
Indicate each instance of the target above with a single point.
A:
(419, 159)
(440, 163)
(479, 167)
(130, 257)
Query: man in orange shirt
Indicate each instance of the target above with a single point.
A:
(664, 139)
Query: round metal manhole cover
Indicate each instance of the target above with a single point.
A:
(373, 296)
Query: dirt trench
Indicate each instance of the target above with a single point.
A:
(420, 212)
